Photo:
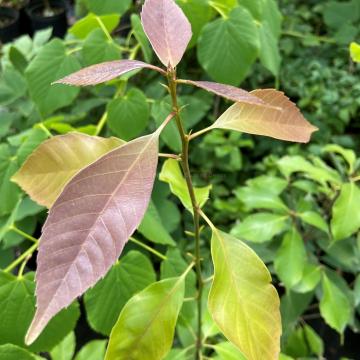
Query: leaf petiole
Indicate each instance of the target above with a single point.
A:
(148, 248)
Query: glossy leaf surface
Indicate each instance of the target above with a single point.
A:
(146, 325)
(48, 169)
(105, 300)
(65, 350)
(167, 29)
(153, 228)
(99, 209)
(93, 350)
(13, 352)
(290, 259)
(99, 73)
(17, 306)
(334, 305)
(284, 123)
(242, 300)
(171, 174)
(51, 63)
(128, 115)
(260, 227)
(346, 216)
(227, 47)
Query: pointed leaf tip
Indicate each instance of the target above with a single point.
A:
(90, 223)
(279, 118)
(99, 73)
(167, 29)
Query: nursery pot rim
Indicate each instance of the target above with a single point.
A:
(58, 4)
(11, 13)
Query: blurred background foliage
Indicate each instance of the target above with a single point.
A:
(297, 206)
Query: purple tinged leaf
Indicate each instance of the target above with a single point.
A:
(99, 73)
(227, 91)
(90, 223)
(167, 29)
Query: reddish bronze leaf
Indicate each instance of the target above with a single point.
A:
(227, 91)
(282, 120)
(90, 223)
(167, 29)
(99, 73)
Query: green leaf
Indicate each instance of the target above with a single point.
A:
(17, 307)
(290, 259)
(199, 13)
(5, 227)
(170, 135)
(347, 154)
(315, 219)
(171, 174)
(293, 305)
(334, 306)
(83, 27)
(108, 6)
(141, 37)
(310, 278)
(227, 351)
(13, 86)
(128, 116)
(105, 300)
(146, 325)
(51, 63)
(315, 342)
(355, 51)
(9, 192)
(292, 164)
(237, 37)
(242, 300)
(338, 13)
(345, 215)
(269, 19)
(97, 48)
(195, 107)
(259, 198)
(93, 350)
(269, 50)
(152, 227)
(12, 352)
(357, 291)
(260, 227)
(272, 184)
(17, 59)
(65, 350)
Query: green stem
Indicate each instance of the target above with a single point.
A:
(22, 233)
(101, 123)
(148, 248)
(302, 36)
(22, 257)
(104, 29)
(196, 217)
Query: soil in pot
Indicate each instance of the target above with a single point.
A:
(44, 14)
(9, 24)
(20, 5)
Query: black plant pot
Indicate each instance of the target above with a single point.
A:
(39, 20)
(25, 25)
(9, 24)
